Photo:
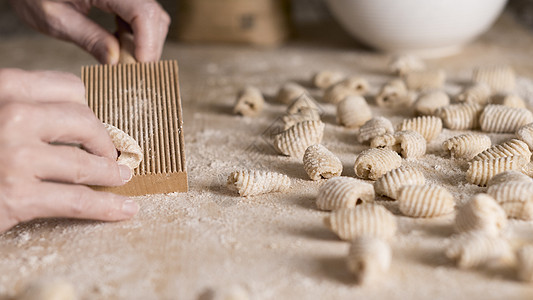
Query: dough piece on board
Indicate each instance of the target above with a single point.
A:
(131, 153)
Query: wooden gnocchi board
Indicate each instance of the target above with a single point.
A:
(143, 100)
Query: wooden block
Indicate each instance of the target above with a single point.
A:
(143, 100)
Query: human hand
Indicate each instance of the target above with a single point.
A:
(67, 20)
(39, 179)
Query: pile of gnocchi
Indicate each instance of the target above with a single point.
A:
(486, 105)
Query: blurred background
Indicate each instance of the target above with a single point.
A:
(303, 16)
(271, 23)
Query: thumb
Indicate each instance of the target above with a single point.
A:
(77, 28)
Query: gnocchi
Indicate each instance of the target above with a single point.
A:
(289, 92)
(374, 163)
(466, 146)
(512, 147)
(250, 102)
(423, 201)
(481, 171)
(353, 112)
(352, 86)
(498, 78)
(325, 79)
(319, 163)
(364, 220)
(503, 119)
(394, 94)
(390, 184)
(473, 249)
(428, 103)
(481, 213)
(368, 259)
(478, 93)
(295, 140)
(428, 126)
(460, 116)
(425, 80)
(131, 153)
(374, 127)
(252, 183)
(525, 134)
(344, 192)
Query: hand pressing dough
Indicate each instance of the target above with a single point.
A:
(131, 153)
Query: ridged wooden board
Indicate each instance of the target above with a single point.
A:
(143, 100)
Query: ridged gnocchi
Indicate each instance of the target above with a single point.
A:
(304, 102)
(403, 64)
(374, 127)
(499, 78)
(478, 93)
(509, 176)
(304, 114)
(295, 140)
(368, 259)
(514, 191)
(352, 86)
(428, 126)
(512, 147)
(374, 163)
(473, 249)
(481, 213)
(353, 112)
(481, 171)
(390, 183)
(394, 94)
(326, 78)
(344, 192)
(250, 102)
(460, 116)
(251, 183)
(503, 119)
(525, 134)
(466, 146)
(319, 163)
(423, 201)
(429, 102)
(289, 92)
(364, 220)
(131, 154)
(425, 80)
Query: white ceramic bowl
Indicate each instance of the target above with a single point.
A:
(420, 27)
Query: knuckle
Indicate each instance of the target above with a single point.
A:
(20, 157)
(80, 163)
(13, 114)
(80, 203)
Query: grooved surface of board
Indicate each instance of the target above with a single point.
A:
(143, 100)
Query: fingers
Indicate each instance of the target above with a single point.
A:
(74, 26)
(56, 122)
(75, 201)
(73, 165)
(148, 21)
(40, 86)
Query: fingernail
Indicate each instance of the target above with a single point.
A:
(130, 208)
(125, 173)
(112, 55)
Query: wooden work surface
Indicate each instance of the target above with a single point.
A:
(208, 241)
